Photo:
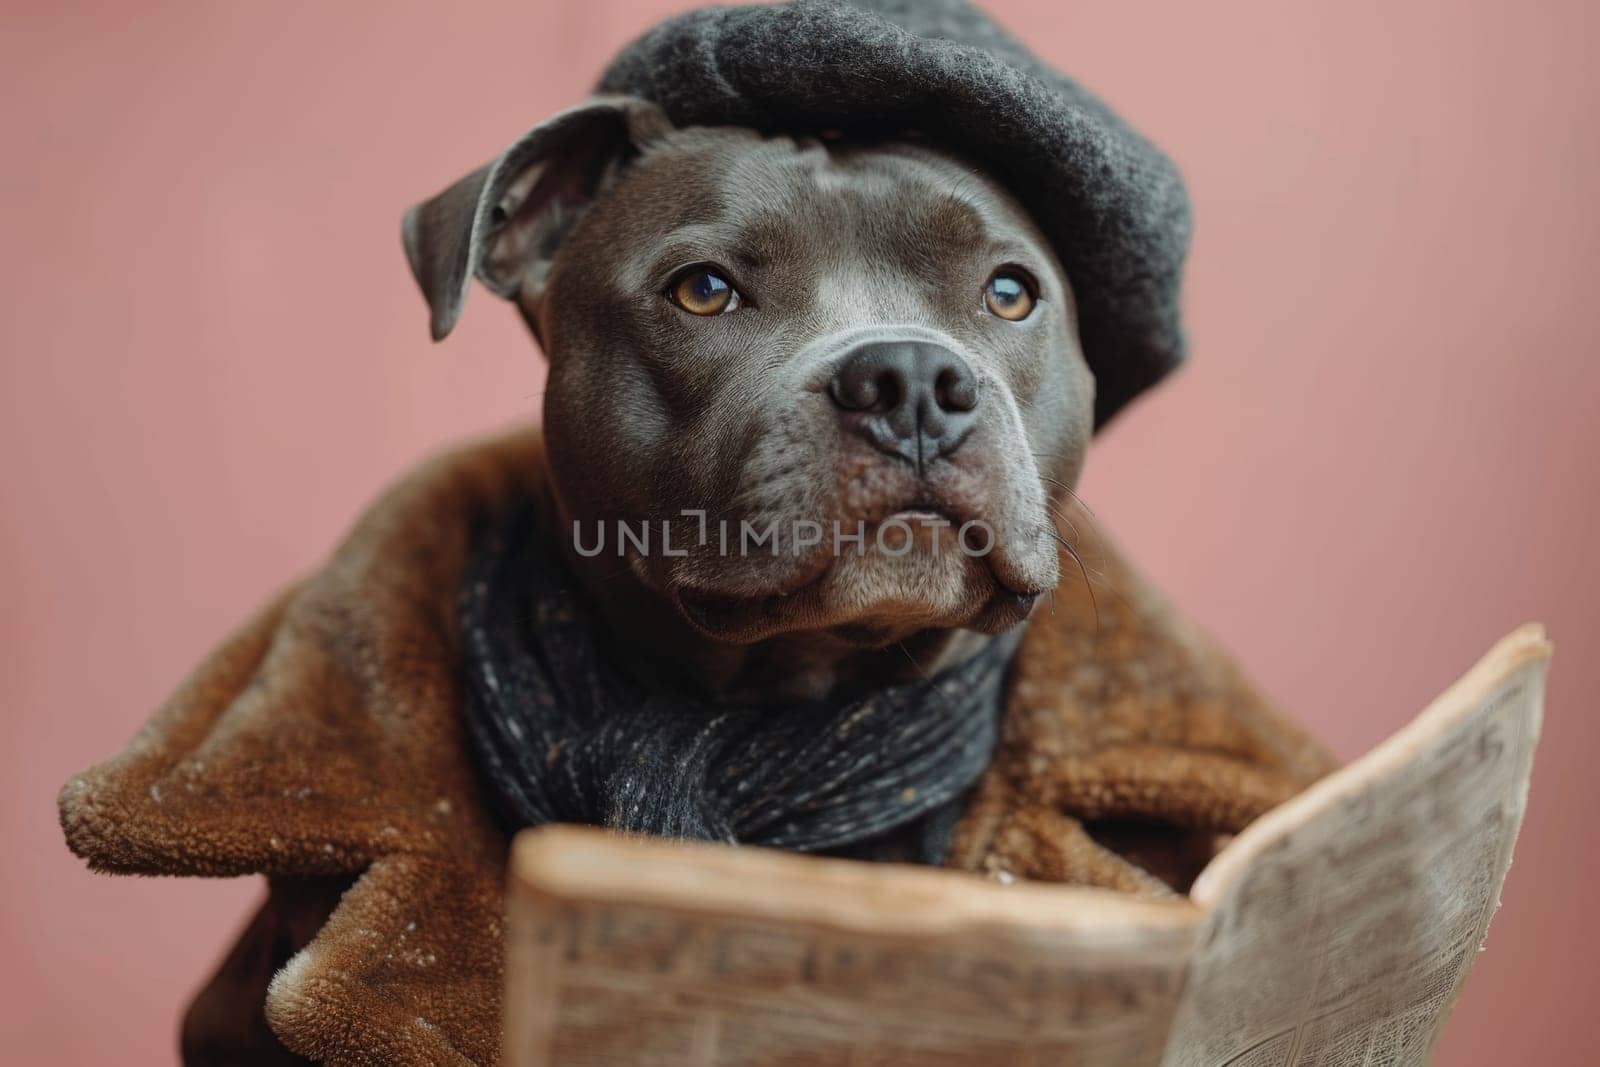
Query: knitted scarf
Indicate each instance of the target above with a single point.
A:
(561, 734)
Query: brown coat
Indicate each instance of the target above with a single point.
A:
(320, 745)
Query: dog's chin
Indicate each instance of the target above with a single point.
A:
(868, 601)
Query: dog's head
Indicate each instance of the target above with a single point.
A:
(845, 377)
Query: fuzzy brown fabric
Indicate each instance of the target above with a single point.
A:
(321, 746)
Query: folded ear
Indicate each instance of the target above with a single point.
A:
(504, 221)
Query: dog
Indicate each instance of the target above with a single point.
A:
(782, 334)
(828, 386)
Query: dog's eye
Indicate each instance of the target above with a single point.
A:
(1009, 295)
(702, 291)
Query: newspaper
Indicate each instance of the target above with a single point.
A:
(1337, 929)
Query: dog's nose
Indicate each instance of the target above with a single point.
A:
(911, 399)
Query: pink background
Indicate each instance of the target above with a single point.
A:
(1381, 459)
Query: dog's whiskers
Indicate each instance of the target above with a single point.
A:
(1088, 582)
(901, 645)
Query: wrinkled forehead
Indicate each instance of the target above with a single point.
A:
(754, 202)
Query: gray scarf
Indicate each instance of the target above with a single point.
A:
(561, 734)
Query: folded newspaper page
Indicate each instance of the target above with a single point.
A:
(1343, 924)
(1337, 929)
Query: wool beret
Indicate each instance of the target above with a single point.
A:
(1111, 204)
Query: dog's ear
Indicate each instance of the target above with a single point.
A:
(504, 221)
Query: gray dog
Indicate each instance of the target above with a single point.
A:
(801, 273)
(774, 331)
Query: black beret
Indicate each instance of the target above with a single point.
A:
(1110, 203)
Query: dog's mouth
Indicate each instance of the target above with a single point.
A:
(729, 615)
(988, 598)
(921, 512)
(746, 619)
